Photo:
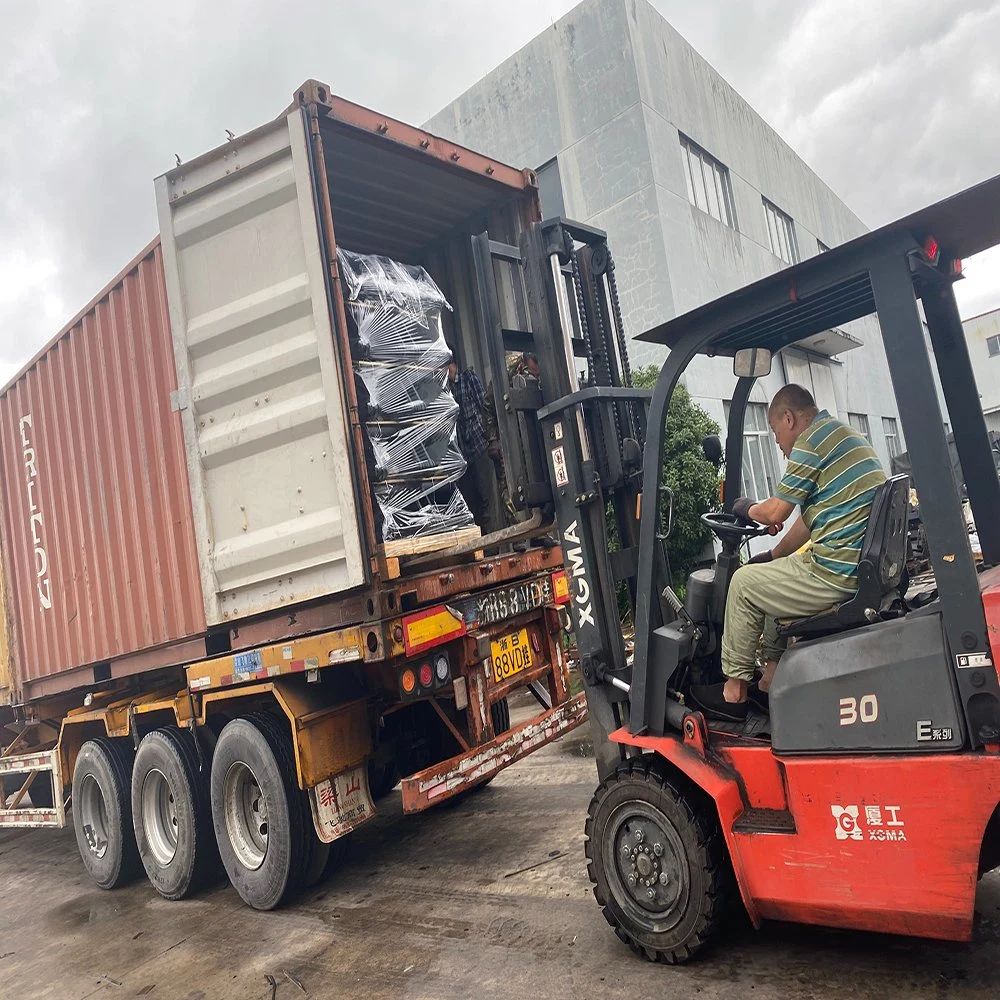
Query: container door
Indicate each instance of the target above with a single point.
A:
(259, 382)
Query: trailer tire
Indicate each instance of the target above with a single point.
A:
(382, 779)
(102, 811)
(172, 813)
(635, 811)
(319, 857)
(500, 716)
(261, 817)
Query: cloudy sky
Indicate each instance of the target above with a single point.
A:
(895, 104)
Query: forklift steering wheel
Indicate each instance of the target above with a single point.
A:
(732, 529)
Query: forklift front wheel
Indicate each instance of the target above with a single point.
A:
(656, 860)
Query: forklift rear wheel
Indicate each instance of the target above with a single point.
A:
(656, 861)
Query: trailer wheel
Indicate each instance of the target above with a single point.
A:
(172, 813)
(261, 817)
(656, 862)
(382, 779)
(102, 811)
(319, 856)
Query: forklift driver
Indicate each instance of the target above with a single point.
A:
(832, 474)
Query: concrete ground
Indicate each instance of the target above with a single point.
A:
(488, 898)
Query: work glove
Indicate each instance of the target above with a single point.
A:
(761, 557)
(741, 508)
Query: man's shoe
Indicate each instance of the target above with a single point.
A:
(708, 698)
(759, 699)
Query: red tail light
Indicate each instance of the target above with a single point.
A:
(931, 250)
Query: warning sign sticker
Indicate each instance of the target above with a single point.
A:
(559, 466)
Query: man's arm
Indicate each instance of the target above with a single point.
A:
(771, 511)
(794, 538)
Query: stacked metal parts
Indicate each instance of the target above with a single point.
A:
(400, 361)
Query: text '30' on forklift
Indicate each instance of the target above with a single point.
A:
(869, 799)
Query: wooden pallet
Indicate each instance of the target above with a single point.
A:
(421, 544)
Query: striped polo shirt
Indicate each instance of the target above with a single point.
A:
(833, 473)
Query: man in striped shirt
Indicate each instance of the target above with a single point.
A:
(832, 475)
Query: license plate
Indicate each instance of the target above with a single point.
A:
(509, 602)
(510, 654)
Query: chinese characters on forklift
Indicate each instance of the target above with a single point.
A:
(752, 362)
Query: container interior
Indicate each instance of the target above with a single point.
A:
(390, 199)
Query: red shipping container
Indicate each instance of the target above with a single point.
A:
(98, 541)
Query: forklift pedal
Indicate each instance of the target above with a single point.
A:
(765, 821)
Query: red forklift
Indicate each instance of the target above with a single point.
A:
(869, 798)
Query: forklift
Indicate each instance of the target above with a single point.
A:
(868, 799)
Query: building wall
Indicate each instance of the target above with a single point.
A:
(606, 93)
(979, 331)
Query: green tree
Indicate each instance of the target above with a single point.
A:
(687, 472)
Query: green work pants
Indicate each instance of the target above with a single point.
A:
(761, 593)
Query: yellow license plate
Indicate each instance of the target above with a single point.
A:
(510, 654)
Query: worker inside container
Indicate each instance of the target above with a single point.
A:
(520, 368)
(832, 476)
(478, 483)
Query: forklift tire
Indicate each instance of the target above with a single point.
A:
(172, 813)
(261, 816)
(102, 811)
(657, 863)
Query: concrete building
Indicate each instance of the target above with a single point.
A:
(982, 334)
(633, 132)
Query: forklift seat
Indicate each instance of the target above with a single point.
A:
(881, 569)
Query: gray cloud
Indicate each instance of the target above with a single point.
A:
(894, 104)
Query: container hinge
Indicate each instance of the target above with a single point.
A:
(179, 400)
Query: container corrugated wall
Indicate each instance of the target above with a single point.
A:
(98, 537)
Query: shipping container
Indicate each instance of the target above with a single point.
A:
(196, 567)
(167, 472)
(98, 540)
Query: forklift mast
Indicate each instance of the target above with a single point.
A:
(573, 439)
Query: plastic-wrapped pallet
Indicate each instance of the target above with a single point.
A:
(400, 360)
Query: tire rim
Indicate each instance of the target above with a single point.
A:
(159, 816)
(246, 815)
(94, 815)
(647, 866)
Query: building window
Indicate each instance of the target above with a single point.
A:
(760, 465)
(781, 231)
(891, 430)
(993, 345)
(821, 246)
(860, 423)
(708, 184)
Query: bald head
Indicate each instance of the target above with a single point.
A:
(795, 398)
(791, 411)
